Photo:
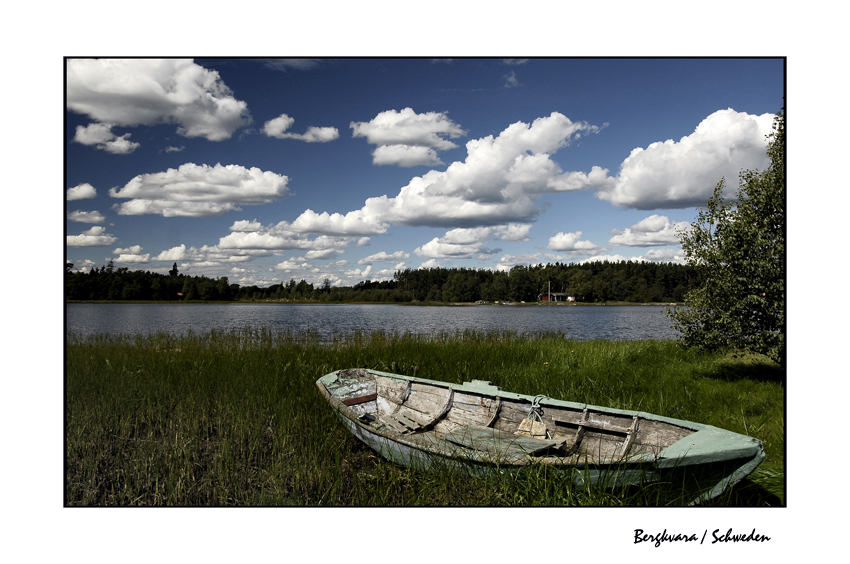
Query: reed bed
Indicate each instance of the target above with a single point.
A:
(235, 419)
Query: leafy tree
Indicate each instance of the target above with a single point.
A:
(739, 249)
(173, 271)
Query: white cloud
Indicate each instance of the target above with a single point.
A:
(683, 174)
(319, 134)
(100, 135)
(282, 237)
(358, 273)
(134, 250)
(466, 242)
(207, 255)
(131, 255)
(323, 254)
(277, 128)
(94, 237)
(361, 222)
(407, 138)
(171, 149)
(299, 263)
(571, 242)
(655, 230)
(174, 253)
(199, 190)
(84, 265)
(514, 61)
(665, 255)
(409, 128)
(511, 80)
(384, 257)
(405, 155)
(81, 192)
(130, 92)
(499, 182)
(439, 248)
(363, 241)
(509, 261)
(245, 225)
(514, 232)
(432, 263)
(86, 216)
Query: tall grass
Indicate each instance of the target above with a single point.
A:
(236, 419)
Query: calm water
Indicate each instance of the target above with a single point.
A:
(575, 322)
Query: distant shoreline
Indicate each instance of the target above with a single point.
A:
(441, 304)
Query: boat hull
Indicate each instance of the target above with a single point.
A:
(370, 405)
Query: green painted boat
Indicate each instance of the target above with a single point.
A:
(478, 427)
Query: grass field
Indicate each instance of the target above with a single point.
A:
(236, 419)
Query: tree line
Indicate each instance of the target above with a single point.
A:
(600, 281)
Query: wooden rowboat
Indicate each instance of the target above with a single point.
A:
(477, 426)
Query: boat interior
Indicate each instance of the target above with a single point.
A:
(478, 418)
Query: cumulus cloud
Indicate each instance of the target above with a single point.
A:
(245, 225)
(81, 192)
(440, 248)
(199, 190)
(323, 254)
(498, 183)
(289, 265)
(101, 136)
(665, 255)
(131, 255)
(210, 255)
(406, 138)
(174, 253)
(94, 237)
(277, 128)
(86, 216)
(509, 261)
(571, 242)
(129, 92)
(366, 221)
(359, 273)
(384, 257)
(655, 230)
(405, 155)
(467, 242)
(681, 174)
(432, 263)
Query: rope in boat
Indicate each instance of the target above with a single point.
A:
(534, 411)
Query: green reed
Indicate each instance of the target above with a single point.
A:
(234, 418)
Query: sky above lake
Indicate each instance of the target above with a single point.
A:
(266, 170)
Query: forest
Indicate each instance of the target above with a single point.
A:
(600, 281)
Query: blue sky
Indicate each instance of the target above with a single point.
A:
(263, 170)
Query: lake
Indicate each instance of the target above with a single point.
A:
(575, 322)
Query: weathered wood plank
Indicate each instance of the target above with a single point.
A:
(496, 442)
(630, 438)
(659, 434)
(392, 390)
(359, 400)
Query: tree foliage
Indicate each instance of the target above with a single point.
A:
(738, 247)
(599, 281)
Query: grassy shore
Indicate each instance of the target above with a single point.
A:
(235, 419)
